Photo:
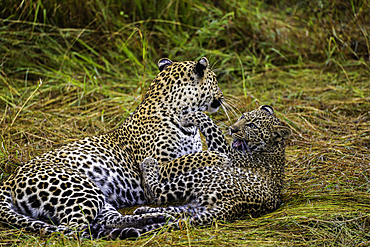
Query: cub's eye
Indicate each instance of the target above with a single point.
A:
(241, 117)
(252, 126)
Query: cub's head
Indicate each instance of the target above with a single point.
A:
(258, 130)
(185, 86)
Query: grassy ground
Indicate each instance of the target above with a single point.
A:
(80, 68)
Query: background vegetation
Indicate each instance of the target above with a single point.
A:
(76, 68)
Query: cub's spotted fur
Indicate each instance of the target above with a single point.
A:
(226, 181)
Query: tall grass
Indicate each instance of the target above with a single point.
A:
(72, 68)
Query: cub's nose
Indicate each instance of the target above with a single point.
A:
(232, 130)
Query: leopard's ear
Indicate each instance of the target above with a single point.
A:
(201, 66)
(163, 63)
(267, 109)
(282, 132)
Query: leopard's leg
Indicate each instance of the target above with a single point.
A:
(11, 217)
(160, 193)
(71, 210)
(163, 184)
(189, 209)
(154, 173)
(31, 206)
(149, 168)
(211, 190)
(191, 214)
(112, 224)
(215, 139)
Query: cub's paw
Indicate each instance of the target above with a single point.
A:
(149, 163)
(193, 119)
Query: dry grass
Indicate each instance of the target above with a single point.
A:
(314, 78)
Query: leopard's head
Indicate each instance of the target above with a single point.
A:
(258, 130)
(187, 86)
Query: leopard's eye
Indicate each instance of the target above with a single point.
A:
(252, 126)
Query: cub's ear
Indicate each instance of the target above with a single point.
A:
(201, 66)
(163, 63)
(282, 132)
(267, 109)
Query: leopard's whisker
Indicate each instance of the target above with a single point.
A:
(235, 99)
(225, 110)
(234, 106)
(231, 108)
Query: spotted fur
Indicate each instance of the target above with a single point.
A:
(226, 181)
(78, 187)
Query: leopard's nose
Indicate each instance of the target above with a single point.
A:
(215, 103)
(232, 130)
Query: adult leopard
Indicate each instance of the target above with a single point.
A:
(79, 186)
(225, 182)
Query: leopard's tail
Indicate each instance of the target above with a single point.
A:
(12, 218)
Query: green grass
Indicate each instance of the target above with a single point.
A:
(96, 59)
